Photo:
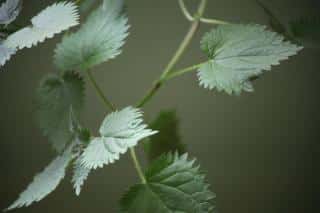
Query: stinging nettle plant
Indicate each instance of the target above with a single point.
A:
(237, 54)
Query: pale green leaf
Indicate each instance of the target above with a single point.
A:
(97, 41)
(238, 53)
(5, 53)
(80, 174)
(45, 182)
(174, 185)
(55, 97)
(168, 138)
(119, 131)
(52, 20)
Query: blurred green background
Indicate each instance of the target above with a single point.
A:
(260, 150)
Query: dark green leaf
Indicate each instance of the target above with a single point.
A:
(174, 185)
(55, 97)
(168, 138)
(274, 22)
(306, 30)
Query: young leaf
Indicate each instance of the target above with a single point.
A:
(54, 98)
(9, 11)
(168, 139)
(119, 131)
(45, 182)
(5, 54)
(174, 184)
(238, 53)
(306, 30)
(98, 40)
(52, 20)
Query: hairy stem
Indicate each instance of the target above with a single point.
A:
(176, 57)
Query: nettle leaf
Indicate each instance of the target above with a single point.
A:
(9, 11)
(97, 41)
(80, 174)
(306, 30)
(5, 53)
(55, 97)
(238, 53)
(168, 138)
(52, 20)
(45, 182)
(119, 131)
(174, 184)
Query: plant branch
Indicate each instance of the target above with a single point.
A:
(184, 71)
(185, 11)
(110, 106)
(137, 165)
(176, 57)
(212, 21)
(190, 17)
(99, 92)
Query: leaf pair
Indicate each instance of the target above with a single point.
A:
(52, 20)
(238, 53)
(119, 131)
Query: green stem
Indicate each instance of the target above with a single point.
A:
(212, 21)
(137, 165)
(185, 11)
(109, 105)
(99, 92)
(176, 57)
(184, 71)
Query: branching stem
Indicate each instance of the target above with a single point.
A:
(190, 17)
(110, 106)
(166, 75)
(176, 57)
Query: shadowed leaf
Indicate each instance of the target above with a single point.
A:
(168, 138)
